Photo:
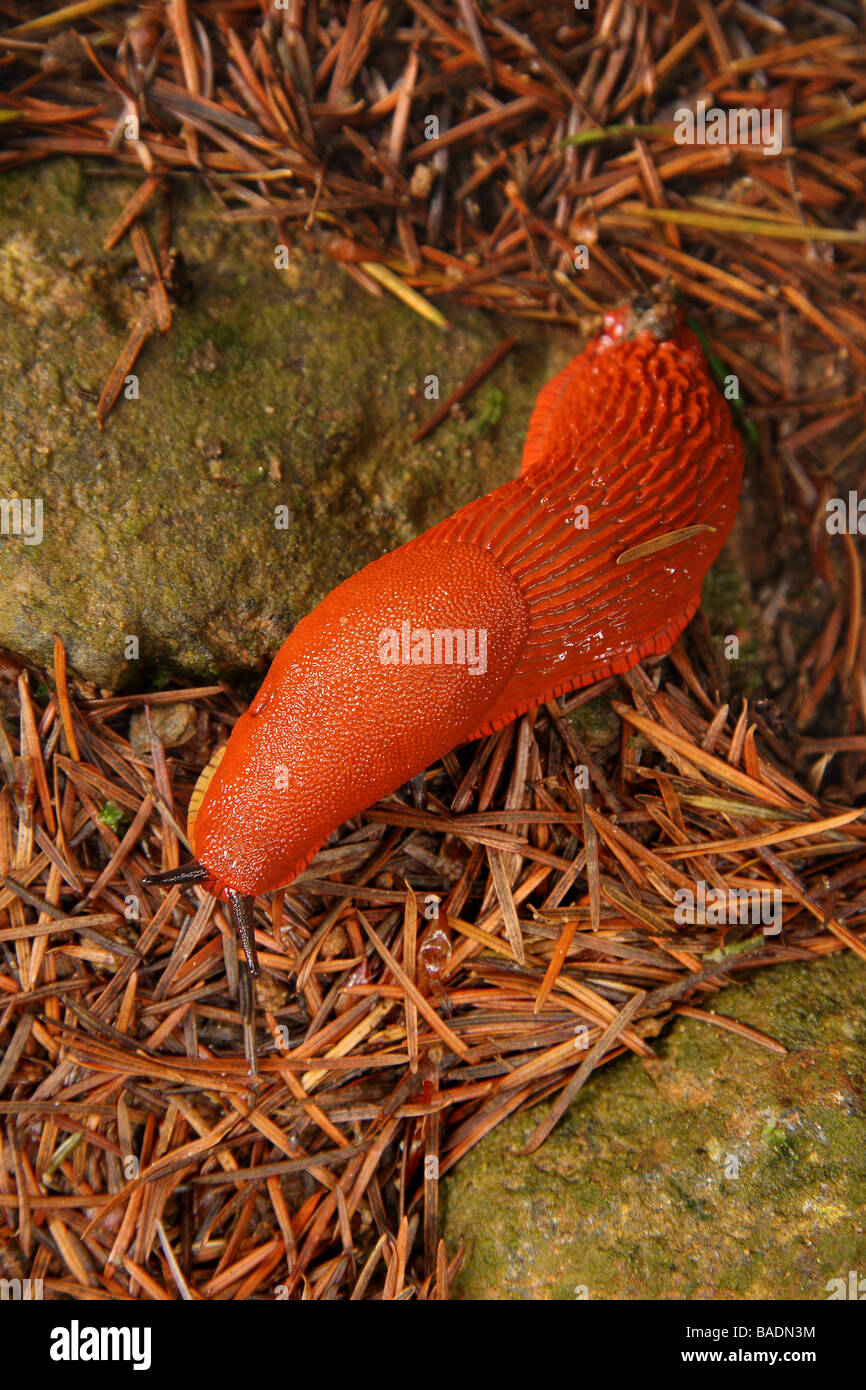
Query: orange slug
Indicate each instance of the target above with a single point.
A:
(588, 561)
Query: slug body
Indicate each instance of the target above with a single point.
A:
(524, 594)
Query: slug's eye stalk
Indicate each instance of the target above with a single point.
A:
(193, 872)
(242, 915)
(241, 908)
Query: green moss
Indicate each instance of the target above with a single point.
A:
(595, 723)
(723, 598)
(111, 815)
(489, 413)
(717, 1170)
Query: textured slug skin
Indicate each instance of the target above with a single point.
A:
(633, 430)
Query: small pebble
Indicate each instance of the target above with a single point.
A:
(174, 724)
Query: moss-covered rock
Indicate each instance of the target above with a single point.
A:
(716, 1170)
(273, 389)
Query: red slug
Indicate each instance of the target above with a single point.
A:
(590, 560)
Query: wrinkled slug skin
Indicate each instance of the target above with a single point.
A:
(332, 728)
(634, 431)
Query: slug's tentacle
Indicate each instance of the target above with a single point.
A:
(191, 872)
(241, 908)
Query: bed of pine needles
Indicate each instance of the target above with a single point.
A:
(167, 1130)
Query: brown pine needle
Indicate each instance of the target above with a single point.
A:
(723, 223)
(732, 1025)
(449, 1037)
(410, 942)
(150, 271)
(664, 739)
(63, 698)
(477, 375)
(584, 1071)
(557, 961)
(506, 903)
(132, 210)
(773, 837)
(119, 372)
(30, 740)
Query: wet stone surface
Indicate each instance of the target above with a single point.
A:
(718, 1169)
